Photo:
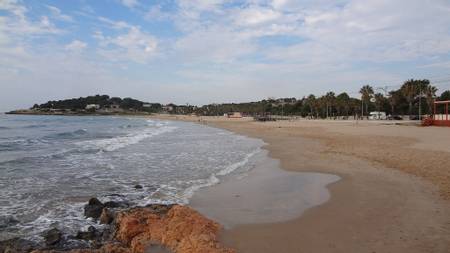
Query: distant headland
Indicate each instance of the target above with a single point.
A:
(92, 105)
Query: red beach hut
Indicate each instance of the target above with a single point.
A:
(439, 119)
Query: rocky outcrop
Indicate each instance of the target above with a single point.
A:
(107, 216)
(16, 245)
(52, 236)
(93, 209)
(107, 248)
(178, 229)
(89, 235)
(6, 221)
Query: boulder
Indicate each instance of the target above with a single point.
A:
(93, 209)
(117, 204)
(52, 236)
(107, 216)
(90, 235)
(107, 248)
(6, 221)
(16, 245)
(138, 187)
(176, 228)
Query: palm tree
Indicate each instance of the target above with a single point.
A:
(430, 95)
(311, 102)
(321, 104)
(445, 95)
(394, 99)
(379, 101)
(366, 93)
(329, 100)
(343, 103)
(411, 89)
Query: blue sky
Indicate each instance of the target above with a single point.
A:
(204, 51)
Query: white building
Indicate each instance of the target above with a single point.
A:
(92, 106)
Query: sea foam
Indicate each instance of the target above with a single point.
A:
(112, 144)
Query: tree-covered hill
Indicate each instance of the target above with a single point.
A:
(103, 101)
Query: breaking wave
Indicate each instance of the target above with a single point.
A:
(112, 144)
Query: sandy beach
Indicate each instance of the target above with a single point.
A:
(393, 195)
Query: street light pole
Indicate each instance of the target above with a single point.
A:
(420, 102)
(362, 108)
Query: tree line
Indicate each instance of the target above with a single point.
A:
(414, 97)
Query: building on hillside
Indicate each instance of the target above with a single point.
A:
(92, 107)
(114, 107)
(168, 108)
(234, 115)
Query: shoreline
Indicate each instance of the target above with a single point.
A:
(264, 194)
(375, 207)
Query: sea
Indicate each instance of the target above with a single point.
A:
(51, 165)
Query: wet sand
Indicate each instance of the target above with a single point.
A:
(262, 195)
(392, 197)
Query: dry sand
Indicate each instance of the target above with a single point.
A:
(393, 196)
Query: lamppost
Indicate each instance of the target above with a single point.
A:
(420, 102)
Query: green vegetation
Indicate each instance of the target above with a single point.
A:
(414, 97)
(104, 102)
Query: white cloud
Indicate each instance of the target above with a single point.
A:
(13, 6)
(76, 46)
(17, 32)
(57, 14)
(134, 45)
(115, 24)
(17, 23)
(255, 15)
(279, 4)
(214, 45)
(155, 13)
(130, 3)
(382, 30)
(201, 5)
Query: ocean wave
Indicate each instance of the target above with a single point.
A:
(75, 133)
(35, 126)
(229, 169)
(214, 178)
(172, 194)
(67, 135)
(128, 126)
(4, 128)
(119, 142)
(7, 147)
(20, 144)
(197, 185)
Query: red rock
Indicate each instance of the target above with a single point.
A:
(181, 229)
(178, 228)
